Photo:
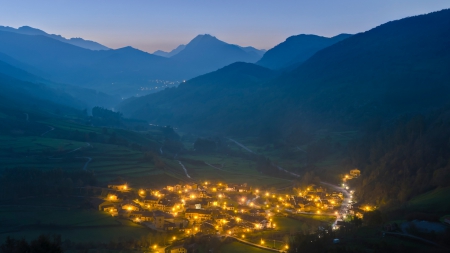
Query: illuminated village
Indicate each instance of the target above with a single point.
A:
(231, 210)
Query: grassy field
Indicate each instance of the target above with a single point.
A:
(86, 234)
(437, 201)
(59, 216)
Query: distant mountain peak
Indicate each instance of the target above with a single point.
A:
(171, 53)
(79, 42)
(204, 38)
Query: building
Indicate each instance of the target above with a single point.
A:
(130, 206)
(150, 201)
(178, 249)
(141, 216)
(355, 173)
(197, 215)
(119, 185)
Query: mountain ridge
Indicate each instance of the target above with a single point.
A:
(297, 49)
(80, 42)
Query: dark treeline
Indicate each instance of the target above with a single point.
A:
(56, 244)
(354, 237)
(42, 244)
(403, 160)
(18, 183)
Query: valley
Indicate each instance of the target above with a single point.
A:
(315, 144)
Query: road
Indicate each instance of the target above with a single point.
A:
(89, 159)
(249, 150)
(345, 202)
(242, 146)
(184, 168)
(256, 245)
(51, 129)
(217, 167)
(290, 173)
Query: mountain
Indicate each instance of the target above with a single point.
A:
(171, 53)
(85, 97)
(122, 72)
(201, 100)
(19, 85)
(109, 71)
(297, 49)
(251, 50)
(398, 68)
(79, 42)
(206, 53)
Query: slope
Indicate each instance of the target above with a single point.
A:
(87, 44)
(206, 53)
(297, 49)
(205, 100)
(398, 68)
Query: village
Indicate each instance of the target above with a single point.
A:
(218, 208)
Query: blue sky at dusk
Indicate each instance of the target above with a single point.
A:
(164, 24)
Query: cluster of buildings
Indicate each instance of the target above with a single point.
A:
(190, 208)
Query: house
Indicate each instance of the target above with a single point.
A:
(112, 197)
(109, 207)
(259, 222)
(257, 212)
(169, 225)
(231, 187)
(243, 209)
(150, 201)
(130, 206)
(119, 185)
(141, 216)
(207, 228)
(191, 186)
(178, 249)
(229, 207)
(355, 173)
(197, 215)
(163, 220)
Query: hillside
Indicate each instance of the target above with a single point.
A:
(205, 53)
(203, 101)
(296, 50)
(121, 72)
(171, 53)
(397, 68)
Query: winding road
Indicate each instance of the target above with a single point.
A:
(242, 146)
(184, 168)
(249, 150)
(89, 159)
(51, 129)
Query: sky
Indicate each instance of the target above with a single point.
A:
(150, 25)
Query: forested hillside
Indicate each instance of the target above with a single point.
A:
(403, 160)
(398, 68)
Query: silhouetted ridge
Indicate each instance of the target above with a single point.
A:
(398, 68)
(296, 50)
